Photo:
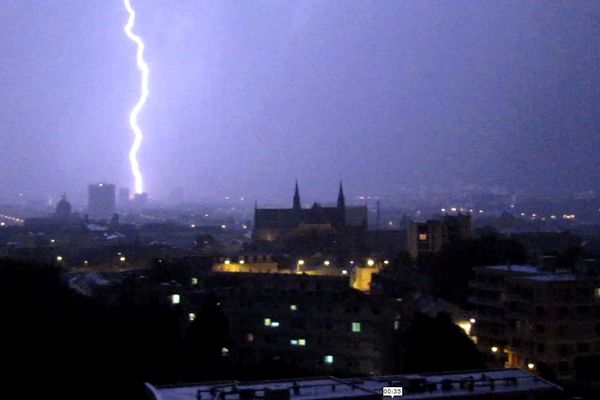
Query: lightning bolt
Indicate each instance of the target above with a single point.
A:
(138, 135)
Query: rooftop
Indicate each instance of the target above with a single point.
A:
(525, 269)
(415, 386)
(532, 272)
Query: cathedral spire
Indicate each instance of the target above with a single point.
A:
(297, 205)
(341, 202)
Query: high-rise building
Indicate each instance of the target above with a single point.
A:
(123, 200)
(101, 200)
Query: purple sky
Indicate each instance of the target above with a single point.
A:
(247, 96)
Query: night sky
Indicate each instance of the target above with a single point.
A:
(247, 96)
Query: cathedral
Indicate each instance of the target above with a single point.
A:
(273, 224)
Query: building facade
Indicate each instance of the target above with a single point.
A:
(538, 317)
(426, 238)
(101, 200)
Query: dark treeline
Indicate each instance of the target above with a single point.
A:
(434, 344)
(57, 342)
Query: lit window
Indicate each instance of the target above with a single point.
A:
(194, 281)
(250, 337)
(301, 342)
(422, 236)
(597, 292)
(293, 307)
(274, 324)
(59, 258)
(344, 272)
(175, 299)
(328, 360)
(356, 327)
(294, 342)
(224, 351)
(267, 321)
(191, 316)
(396, 325)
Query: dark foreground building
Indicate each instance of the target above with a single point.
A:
(490, 384)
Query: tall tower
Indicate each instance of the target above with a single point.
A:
(101, 200)
(341, 202)
(341, 205)
(297, 204)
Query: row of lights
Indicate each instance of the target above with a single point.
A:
(553, 217)
(13, 219)
(461, 209)
(370, 262)
(193, 226)
(86, 262)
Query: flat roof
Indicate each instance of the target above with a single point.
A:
(531, 272)
(527, 269)
(415, 386)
